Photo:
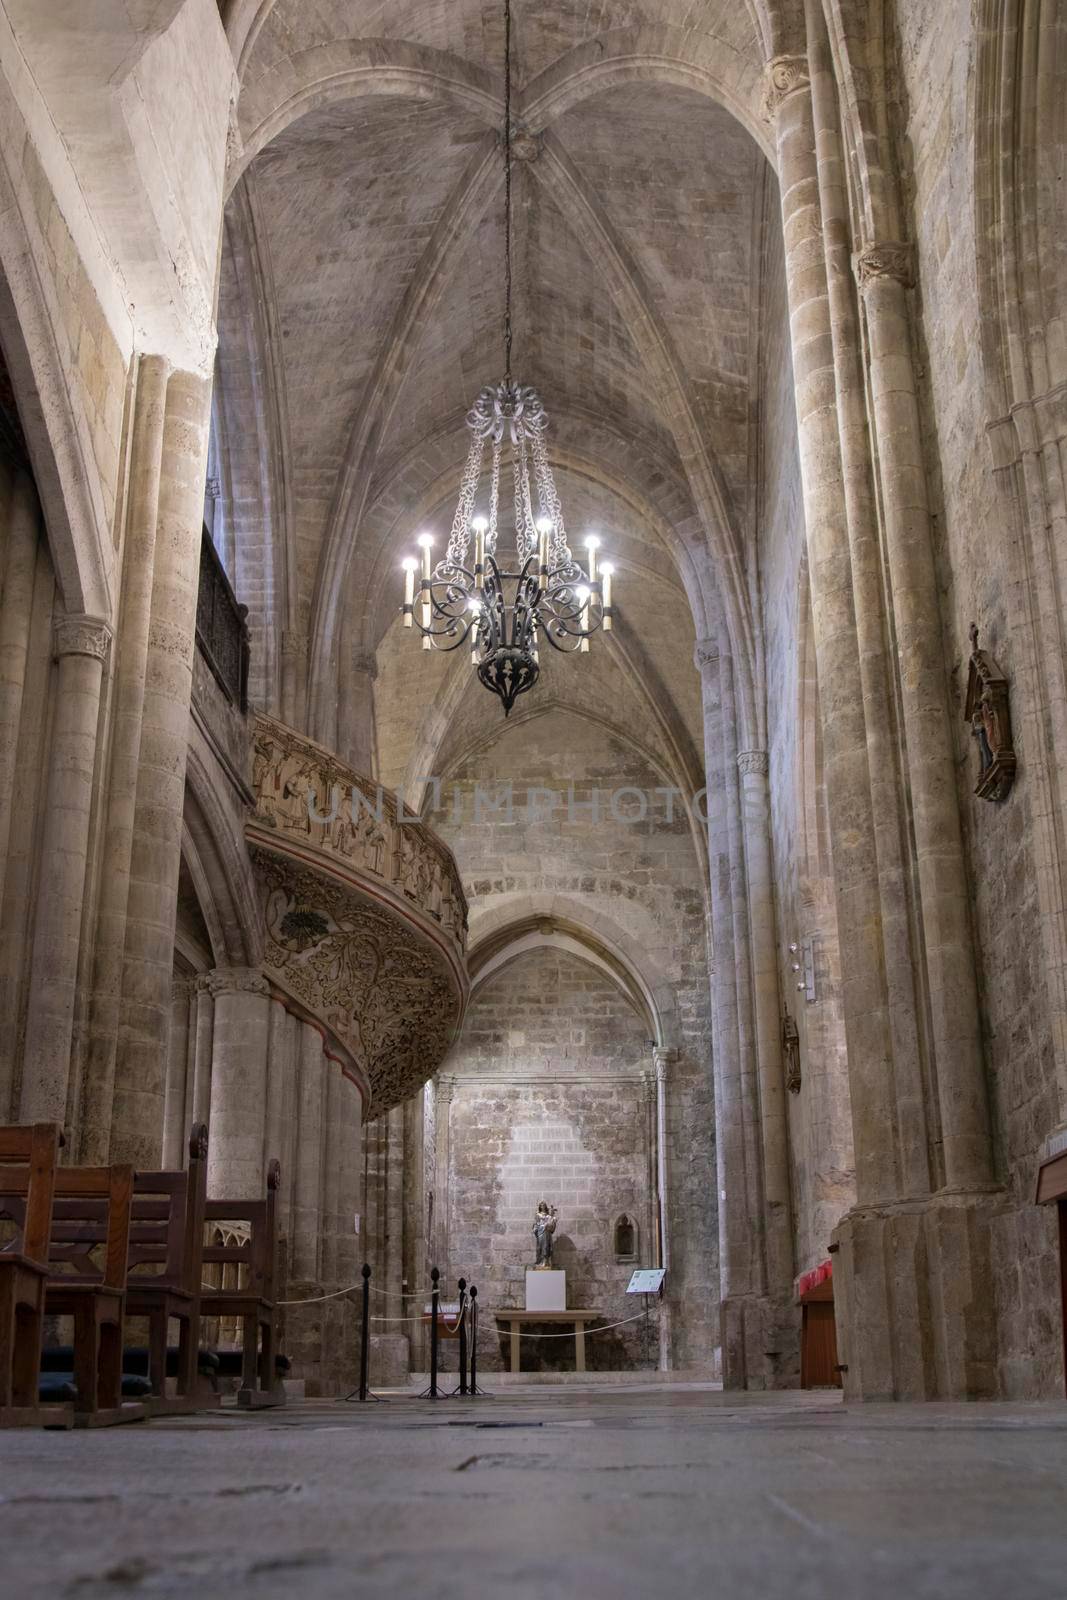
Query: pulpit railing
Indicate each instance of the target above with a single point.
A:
(222, 627)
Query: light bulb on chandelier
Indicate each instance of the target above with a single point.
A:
(502, 610)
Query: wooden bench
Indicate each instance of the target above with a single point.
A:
(91, 1217)
(251, 1300)
(28, 1157)
(165, 1270)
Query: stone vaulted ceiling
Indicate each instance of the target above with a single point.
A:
(362, 300)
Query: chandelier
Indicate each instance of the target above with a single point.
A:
(504, 612)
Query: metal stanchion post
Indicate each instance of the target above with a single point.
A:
(474, 1342)
(364, 1354)
(462, 1390)
(431, 1392)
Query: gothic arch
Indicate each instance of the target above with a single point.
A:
(495, 952)
(214, 851)
(39, 359)
(517, 923)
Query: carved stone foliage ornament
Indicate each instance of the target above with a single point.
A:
(81, 636)
(310, 798)
(389, 993)
(791, 1053)
(782, 77)
(887, 260)
(988, 711)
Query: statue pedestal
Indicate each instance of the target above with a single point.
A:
(546, 1290)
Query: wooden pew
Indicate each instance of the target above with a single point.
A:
(93, 1293)
(28, 1158)
(164, 1276)
(251, 1302)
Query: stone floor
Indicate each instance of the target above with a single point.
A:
(609, 1494)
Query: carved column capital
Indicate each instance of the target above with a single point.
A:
(81, 636)
(705, 654)
(888, 260)
(662, 1058)
(445, 1091)
(757, 761)
(783, 76)
(233, 980)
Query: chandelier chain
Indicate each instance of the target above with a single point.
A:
(507, 191)
(504, 612)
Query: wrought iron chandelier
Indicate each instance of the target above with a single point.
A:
(468, 597)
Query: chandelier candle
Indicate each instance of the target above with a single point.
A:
(501, 609)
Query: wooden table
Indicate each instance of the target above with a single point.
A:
(513, 1321)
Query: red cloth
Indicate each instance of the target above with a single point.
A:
(811, 1280)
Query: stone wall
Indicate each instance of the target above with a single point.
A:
(639, 887)
(551, 1102)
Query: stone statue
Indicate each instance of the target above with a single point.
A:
(543, 1230)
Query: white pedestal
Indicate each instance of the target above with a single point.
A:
(546, 1291)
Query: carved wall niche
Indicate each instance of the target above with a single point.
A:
(988, 711)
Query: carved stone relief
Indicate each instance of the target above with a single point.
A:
(988, 711)
(391, 997)
(310, 797)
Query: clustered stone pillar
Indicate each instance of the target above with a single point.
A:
(155, 853)
(81, 646)
(909, 1267)
(753, 768)
(736, 1111)
(131, 664)
(864, 994)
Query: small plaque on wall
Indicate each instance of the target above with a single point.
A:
(646, 1280)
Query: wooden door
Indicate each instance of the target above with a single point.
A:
(818, 1347)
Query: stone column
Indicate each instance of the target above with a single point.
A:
(848, 781)
(16, 610)
(662, 1058)
(306, 1253)
(739, 1210)
(890, 827)
(445, 1093)
(81, 645)
(238, 1082)
(155, 854)
(202, 1027)
(882, 270)
(131, 661)
(753, 767)
(340, 1317)
(355, 714)
(279, 1122)
(176, 1099)
(294, 655)
(652, 1223)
